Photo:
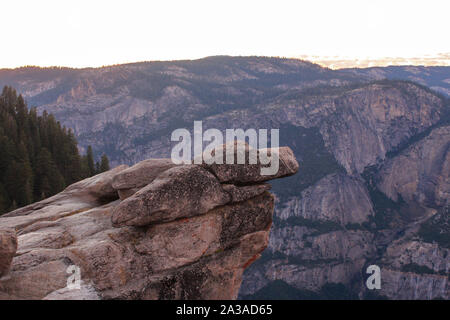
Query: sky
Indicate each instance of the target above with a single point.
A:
(80, 33)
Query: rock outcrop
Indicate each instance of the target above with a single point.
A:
(180, 192)
(131, 180)
(178, 234)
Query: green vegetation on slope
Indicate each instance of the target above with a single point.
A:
(415, 268)
(38, 157)
(280, 290)
(437, 229)
(319, 226)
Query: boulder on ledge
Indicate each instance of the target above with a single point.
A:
(247, 172)
(180, 192)
(129, 181)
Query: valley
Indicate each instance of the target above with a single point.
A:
(373, 146)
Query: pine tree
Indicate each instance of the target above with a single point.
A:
(4, 199)
(38, 156)
(104, 165)
(74, 169)
(48, 178)
(18, 182)
(90, 161)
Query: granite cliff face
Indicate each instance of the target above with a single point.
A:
(421, 173)
(178, 234)
(374, 162)
(394, 215)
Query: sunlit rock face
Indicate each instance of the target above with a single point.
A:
(181, 235)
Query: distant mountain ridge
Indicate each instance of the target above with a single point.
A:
(129, 103)
(434, 77)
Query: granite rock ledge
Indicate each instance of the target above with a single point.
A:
(151, 231)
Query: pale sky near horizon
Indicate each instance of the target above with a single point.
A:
(93, 33)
